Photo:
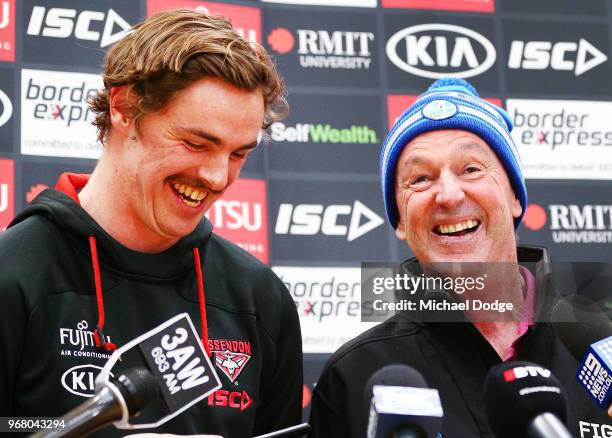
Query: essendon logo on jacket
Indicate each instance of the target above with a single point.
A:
(230, 356)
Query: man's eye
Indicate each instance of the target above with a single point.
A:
(419, 179)
(239, 155)
(193, 145)
(472, 169)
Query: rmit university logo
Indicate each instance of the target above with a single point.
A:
(571, 223)
(325, 49)
(522, 372)
(440, 50)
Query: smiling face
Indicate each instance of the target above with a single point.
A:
(454, 199)
(181, 159)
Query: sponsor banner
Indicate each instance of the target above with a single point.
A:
(422, 48)
(397, 104)
(246, 19)
(545, 57)
(444, 5)
(572, 218)
(65, 32)
(37, 177)
(326, 133)
(349, 3)
(328, 303)
(327, 221)
(240, 216)
(561, 7)
(314, 48)
(7, 110)
(565, 139)
(55, 117)
(7, 30)
(7, 192)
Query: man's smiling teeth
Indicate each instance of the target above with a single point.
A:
(191, 196)
(447, 229)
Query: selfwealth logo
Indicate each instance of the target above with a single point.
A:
(571, 223)
(574, 56)
(241, 216)
(436, 50)
(7, 30)
(7, 193)
(245, 19)
(563, 139)
(445, 5)
(325, 49)
(55, 117)
(323, 133)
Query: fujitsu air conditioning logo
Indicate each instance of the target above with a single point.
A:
(323, 133)
(558, 128)
(325, 49)
(577, 57)
(312, 219)
(439, 50)
(65, 23)
(79, 341)
(571, 223)
(7, 30)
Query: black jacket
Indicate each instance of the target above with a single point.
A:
(48, 311)
(454, 358)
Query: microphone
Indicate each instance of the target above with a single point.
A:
(587, 333)
(524, 399)
(401, 404)
(123, 397)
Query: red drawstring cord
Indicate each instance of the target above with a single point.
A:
(202, 300)
(98, 333)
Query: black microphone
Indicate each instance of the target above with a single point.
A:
(525, 399)
(586, 332)
(400, 404)
(123, 397)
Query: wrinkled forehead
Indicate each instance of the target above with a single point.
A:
(453, 144)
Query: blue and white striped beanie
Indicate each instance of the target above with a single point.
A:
(451, 103)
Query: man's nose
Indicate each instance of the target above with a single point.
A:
(449, 190)
(215, 172)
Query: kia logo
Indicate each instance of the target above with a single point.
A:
(80, 380)
(7, 108)
(445, 47)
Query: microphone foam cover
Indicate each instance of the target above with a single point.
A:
(579, 322)
(517, 392)
(138, 387)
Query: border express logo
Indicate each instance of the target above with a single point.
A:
(324, 49)
(436, 50)
(245, 19)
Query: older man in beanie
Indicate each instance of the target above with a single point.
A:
(454, 191)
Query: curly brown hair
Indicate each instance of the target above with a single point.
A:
(169, 51)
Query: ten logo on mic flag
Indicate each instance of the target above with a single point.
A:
(595, 372)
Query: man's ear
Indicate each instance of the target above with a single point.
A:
(517, 209)
(121, 105)
(400, 231)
